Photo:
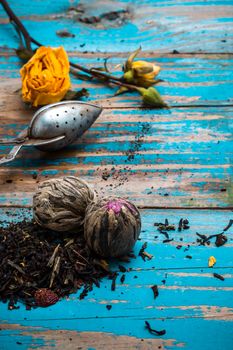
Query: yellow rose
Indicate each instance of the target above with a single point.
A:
(45, 77)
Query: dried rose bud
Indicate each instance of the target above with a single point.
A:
(112, 226)
(151, 97)
(140, 73)
(45, 297)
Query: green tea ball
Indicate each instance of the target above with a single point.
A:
(60, 204)
(112, 226)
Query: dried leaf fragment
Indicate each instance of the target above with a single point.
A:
(211, 261)
(154, 331)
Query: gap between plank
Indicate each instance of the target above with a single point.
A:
(139, 317)
(10, 52)
(170, 107)
(2, 206)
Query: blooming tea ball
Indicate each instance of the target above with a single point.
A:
(60, 204)
(112, 226)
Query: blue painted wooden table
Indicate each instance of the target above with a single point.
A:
(181, 168)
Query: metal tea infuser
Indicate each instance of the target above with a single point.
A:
(53, 127)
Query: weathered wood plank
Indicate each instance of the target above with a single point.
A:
(27, 337)
(188, 80)
(213, 334)
(175, 158)
(189, 296)
(186, 26)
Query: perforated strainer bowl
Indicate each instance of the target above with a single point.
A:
(69, 118)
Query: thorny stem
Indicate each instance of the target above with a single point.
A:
(28, 40)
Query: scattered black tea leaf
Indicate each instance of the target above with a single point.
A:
(96, 282)
(9, 262)
(168, 240)
(141, 251)
(158, 224)
(85, 292)
(220, 277)
(175, 52)
(163, 227)
(183, 224)
(188, 256)
(186, 227)
(155, 291)
(187, 248)
(180, 226)
(143, 254)
(114, 277)
(122, 278)
(147, 255)
(220, 240)
(122, 268)
(229, 225)
(109, 307)
(154, 331)
(178, 246)
(165, 234)
(203, 237)
(65, 34)
(170, 228)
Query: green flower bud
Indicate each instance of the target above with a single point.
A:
(152, 97)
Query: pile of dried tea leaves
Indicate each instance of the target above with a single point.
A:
(32, 258)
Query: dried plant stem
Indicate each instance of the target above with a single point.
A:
(94, 71)
(18, 23)
(55, 271)
(51, 260)
(75, 251)
(9, 262)
(28, 40)
(110, 79)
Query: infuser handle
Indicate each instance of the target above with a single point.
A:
(21, 138)
(11, 155)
